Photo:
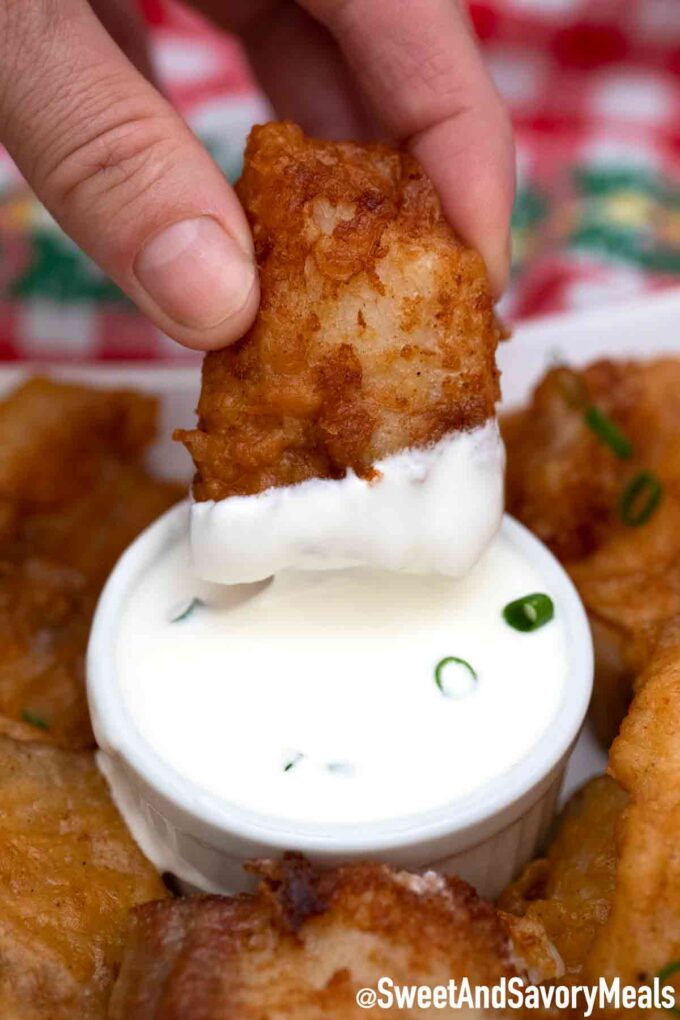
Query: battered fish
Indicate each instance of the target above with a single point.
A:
(69, 874)
(641, 936)
(305, 944)
(73, 495)
(569, 891)
(566, 483)
(608, 892)
(52, 435)
(376, 331)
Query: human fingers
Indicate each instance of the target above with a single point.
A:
(419, 65)
(122, 173)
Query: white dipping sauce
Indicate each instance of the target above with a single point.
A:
(432, 510)
(312, 697)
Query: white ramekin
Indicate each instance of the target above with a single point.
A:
(485, 839)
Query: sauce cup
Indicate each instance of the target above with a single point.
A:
(485, 838)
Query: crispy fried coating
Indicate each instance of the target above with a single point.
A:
(569, 891)
(52, 435)
(89, 532)
(304, 945)
(565, 484)
(69, 874)
(642, 932)
(375, 332)
(45, 612)
(73, 495)
(608, 892)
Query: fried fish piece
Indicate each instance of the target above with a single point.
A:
(305, 944)
(569, 891)
(641, 935)
(566, 484)
(52, 435)
(45, 612)
(89, 532)
(608, 892)
(73, 495)
(375, 333)
(69, 874)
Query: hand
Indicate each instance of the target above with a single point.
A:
(126, 178)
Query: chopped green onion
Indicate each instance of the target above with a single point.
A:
(35, 720)
(572, 386)
(530, 612)
(608, 431)
(640, 499)
(293, 761)
(438, 669)
(187, 610)
(668, 971)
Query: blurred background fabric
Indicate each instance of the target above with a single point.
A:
(593, 87)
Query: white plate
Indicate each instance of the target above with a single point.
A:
(642, 329)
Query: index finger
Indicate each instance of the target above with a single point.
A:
(420, 66)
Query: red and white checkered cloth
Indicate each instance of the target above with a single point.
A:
(593, 87)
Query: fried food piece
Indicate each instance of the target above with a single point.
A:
(565, 484)
(563, 481)
(375, 333)
(88, 533)
(69, 874)
(52, 435)
(608, 892)
(569, 891)
(642, 932)
(45, 612)
(73, 495)
(305, 944)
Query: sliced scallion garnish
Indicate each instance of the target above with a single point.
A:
(640, 499)
(668, 971)
(294, 760)
(33, 719)
(187, 610)
(530, 612)
(441, 666)
(608, 431)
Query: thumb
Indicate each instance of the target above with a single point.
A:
(123, 174)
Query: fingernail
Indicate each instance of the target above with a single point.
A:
(196, 273)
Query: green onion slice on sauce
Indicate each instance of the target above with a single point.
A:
(187, 610)
(640, 499)
(668, 971)
(608, 431)
(530, 612)
(441, 666)
(35, 720)
(294, 760)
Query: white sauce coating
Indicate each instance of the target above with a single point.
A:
(334, 672)
(432, 510)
